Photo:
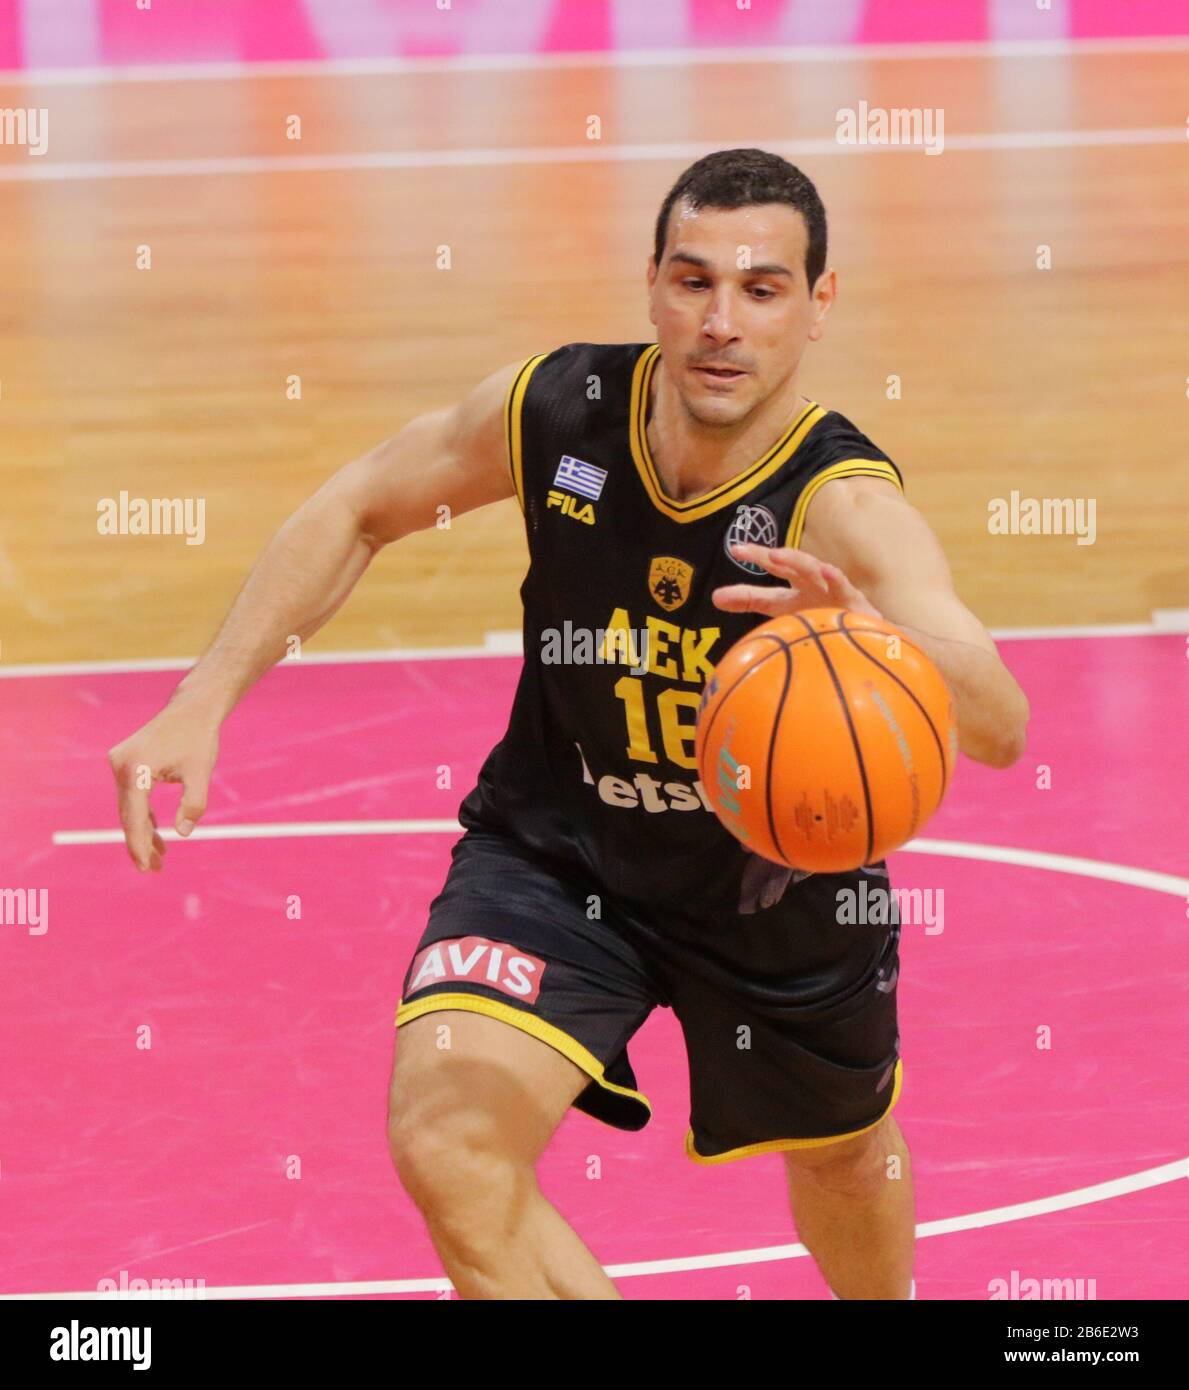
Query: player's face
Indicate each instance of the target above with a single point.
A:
(732, 307)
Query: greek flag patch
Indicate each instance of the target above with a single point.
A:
(583, 478)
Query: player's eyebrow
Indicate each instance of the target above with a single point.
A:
(768, 268)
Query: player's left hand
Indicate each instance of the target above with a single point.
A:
(812, 584)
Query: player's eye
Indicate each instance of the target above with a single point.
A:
(762, 291)
(693, 282)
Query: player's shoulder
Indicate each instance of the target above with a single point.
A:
(624, 351)
(835, 434)
(577, 386)
(835, 441)
(835, 456)
(574, 359)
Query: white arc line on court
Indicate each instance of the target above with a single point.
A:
(1056, 863)
(487, 157)
(995, 1216)
(954, 849)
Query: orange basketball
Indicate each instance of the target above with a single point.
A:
(825, 739)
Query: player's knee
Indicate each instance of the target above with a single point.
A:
(422, 1151)
(429, 1154)
(466, 1187)
(445, 1159)
(856, 1166)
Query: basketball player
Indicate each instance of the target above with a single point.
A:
(675, 494)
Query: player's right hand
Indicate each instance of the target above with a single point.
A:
(178, 745)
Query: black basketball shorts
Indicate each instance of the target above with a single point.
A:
(789, 1015)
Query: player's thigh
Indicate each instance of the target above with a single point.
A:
(462, 1079)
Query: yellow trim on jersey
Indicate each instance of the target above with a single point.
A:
(726, 493)
(527, 1023)
(846, 468)
(784, 1145)
(513, 402)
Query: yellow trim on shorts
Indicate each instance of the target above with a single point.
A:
(725, 493)
(845, 468)
(781, 1145)
(513, 402)
(527, 1023)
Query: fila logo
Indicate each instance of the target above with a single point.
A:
(570, 506)
(493, 963)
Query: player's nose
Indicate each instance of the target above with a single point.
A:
(718, 322)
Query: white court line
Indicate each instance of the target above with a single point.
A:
(1041, 859)
(1091, 630)
(37, 171)
(496, 645)
(953, 849)
(272, 830)
(508, 643)
(634, 58)
(995, 1216)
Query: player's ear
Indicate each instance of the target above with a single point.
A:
(825, 291)
(651, 281)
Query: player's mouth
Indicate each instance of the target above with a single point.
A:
(720, 374)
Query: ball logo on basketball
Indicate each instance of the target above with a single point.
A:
(750, 526)
(847, 730)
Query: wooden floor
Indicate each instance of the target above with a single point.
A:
(1068, 382)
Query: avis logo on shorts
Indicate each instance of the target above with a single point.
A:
(484, 962)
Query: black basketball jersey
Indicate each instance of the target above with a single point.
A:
(597, 767)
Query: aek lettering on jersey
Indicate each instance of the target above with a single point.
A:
(620, 632)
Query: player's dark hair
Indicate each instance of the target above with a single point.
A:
(742, 178)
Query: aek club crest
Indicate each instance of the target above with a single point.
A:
(669, 580)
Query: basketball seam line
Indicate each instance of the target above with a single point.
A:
(850, 724)
(912, 696)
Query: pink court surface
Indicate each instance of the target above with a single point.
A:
(1042, 1024)
(102, 35)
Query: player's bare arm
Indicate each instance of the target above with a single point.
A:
(866, 548)
(455, 457)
